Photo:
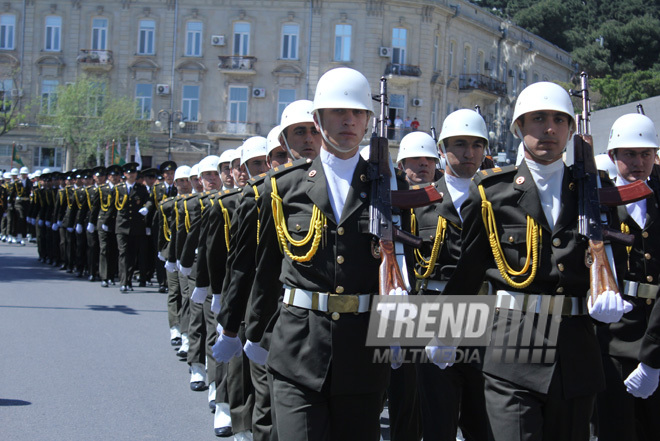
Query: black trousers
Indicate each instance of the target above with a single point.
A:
(108, 255)
(93, 253)
(240, 389)
(262, 419)
(127, 246)
(403, 405)
(70, 247)
(621, 416)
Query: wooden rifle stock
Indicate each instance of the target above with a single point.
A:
(602, 277)
(389, 274)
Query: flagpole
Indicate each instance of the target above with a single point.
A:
(13, 152)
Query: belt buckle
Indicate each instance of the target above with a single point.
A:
(343, 303)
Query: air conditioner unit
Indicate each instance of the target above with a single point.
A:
(17, 92)
(417, 102)
(21, 147)
(511, 73)
(487, 66)
(218, 40)
(385, 51)
(163, 89)
(258, 92)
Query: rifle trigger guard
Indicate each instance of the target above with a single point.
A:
(375, 249)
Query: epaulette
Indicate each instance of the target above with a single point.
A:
(604, 174)
(285, 168)
(257, 179)
(229, 191)
(496, 171)
(399, 173)
(420, 186)
(166, 200)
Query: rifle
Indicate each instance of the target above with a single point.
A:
(381, 225)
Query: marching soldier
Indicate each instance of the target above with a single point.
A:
(93, 194)
(19, 200)
(160, 192)
(82, 204)
(103, 216)
(632, 147)
(69, 222)
(531, 211)
(225, 168)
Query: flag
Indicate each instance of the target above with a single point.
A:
(107, 153)
(14, 156)
(138, 157)
(116, 154)
(127, 158)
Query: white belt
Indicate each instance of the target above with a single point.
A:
(326, 302)
(642, 290)
(518, 301)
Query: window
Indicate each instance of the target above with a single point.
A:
(146, 37)
(6, 87)
(190, 103)
(53, 32)
(7, 25)
(466, 59)
(95, 102)
(480, 62)
(48, 96)
(194, 39)
(436, 52)
(290, 42)
(450, 62)
(343, 34)
(399, 36)
(100, 33)
(238, 101)
(284, 98)
(241, 38)
(143, 94)
(47, 157)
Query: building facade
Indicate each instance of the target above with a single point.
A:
(227, 68)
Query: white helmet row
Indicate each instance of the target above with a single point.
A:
(416, 145)
(343, 88)
(194, 170)
(182, 172)
(463, 122)
(273, 138)
(253, 147)
(633, 130)
(297, 112)
(6, 175)
(209, 163)
(542, 96)
(24, 170)
(227, 156)
(14, 171)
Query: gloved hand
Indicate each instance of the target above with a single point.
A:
(398, 292)
(184, 270)
(49, 224)
(226, 348)
(170, 267)
(161, 257)
(609, 307)
(104, 227)
(199, 294)
(148, 231)
(90, 227)
(255, 352)
(4, 214)
(55, 226)
(69, 229)
(29, 220)
(143, 211)
(216, 306)
(396, 356)
(40, 222)
(79, 229)
(441, 356)
(643, 381)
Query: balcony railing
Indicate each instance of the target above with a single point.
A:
(481, 82)
(190, 127)
(233, 127)
(236, 63)
(95, 59)
(406, 70)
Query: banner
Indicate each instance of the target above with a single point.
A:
(14, 156)
(138, 156)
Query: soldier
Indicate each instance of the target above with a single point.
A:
(4, 202)
(160, 191)
(225, 169)
(531, 211)
(68, 224)
(104, 216)
(418, 158)
(130, 226)
(93, 193)
(194, 179)
(19, 199)
(83, 179)
(450, 397)
(632, 147)
(147, 250)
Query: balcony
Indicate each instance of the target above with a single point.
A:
(238, 65)
(95, 60)
(232, 129)
(402, 74)
(481, 84)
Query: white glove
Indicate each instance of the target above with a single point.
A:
(4, 214)
(199, 294)
(215, 304)
(185, 271)
(441, 356)
(143, 211)
(69, 229)
(398, 292)
(79, 229)
(255, 352)
(40, 222)
(161, 257)
(643, 381)
(396, 357)
(49, 224)
(170, 267)
(104, 227)
(90, 227)
(226, 347)
(55, 227)
(609, 307)
(29, 220)
(59, 223)
(148, 231)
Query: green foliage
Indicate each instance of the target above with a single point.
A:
(630, 87)
(87, 117)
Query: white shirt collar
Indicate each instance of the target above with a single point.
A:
(339, 174)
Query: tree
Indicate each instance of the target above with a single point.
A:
(86, 117)
(10, 100)
(630, 87)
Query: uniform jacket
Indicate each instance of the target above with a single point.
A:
(105, 212)
(129, 220)
(71, 209)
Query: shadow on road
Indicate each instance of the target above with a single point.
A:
(26, 269)
(105, 308)
(7, 402)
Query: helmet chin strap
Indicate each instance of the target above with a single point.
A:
(286, 146)
(327, 140)
(447, 163)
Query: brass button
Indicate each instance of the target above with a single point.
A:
(340, 231)
(298, 227)
(649, 278)
(560, 290)
(649, 301)
(571, 186)
(511, 239)
(363, 178)
(339, 290)
(560, 266)
(431, 237)
(556, 241)
(335, 316)
(647, 256)
(340, 259)
(645, 234)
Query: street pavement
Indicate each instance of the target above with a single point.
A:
(82, 362)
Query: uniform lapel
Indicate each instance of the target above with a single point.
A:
(358, 192)
(569, 202)
(446, 208)
(317, 189)
(529, 199)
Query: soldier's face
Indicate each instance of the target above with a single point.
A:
(100, 179)
(183, 186)
(545, 133)
(115, 179)
(168, 177)
(277, 157)
(419, 170)
(344, 128)
(237, 172)
(131, 177)
(196, 184)
(464, 155)
(304, 140)
(225, 175)
(257, 165)
(634, 164)
(211, 180)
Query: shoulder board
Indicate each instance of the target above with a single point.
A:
(419, 186)
(257, 179)
(166, 200)
(229, 191)
(285, 168)
(603, 174)
(192, 196)
(496, 171)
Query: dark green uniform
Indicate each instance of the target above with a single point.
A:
(130, 228)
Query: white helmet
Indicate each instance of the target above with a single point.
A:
(24, 170)
(237, 155)
(182, 172)
(194, 170)
(273, 138)
(542, 96)
(253, 147)
(6, 175)
(297, 112)
(343, 88)
(227, 156)
(14, 172)
(37, 173)
(209, 163)
(604, 162)
(46, 170)
(417, 144)
(633, 130)
(463, 122)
